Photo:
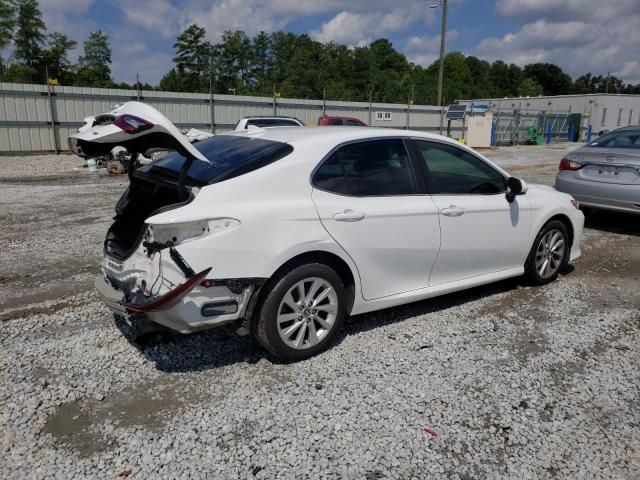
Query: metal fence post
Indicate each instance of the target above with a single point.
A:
(324, 101)
(493, 134)
(406, 126)
(212, 113)
(275, 109)
(548, 132)
(53, 118)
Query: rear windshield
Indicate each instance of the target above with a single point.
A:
(620, 139)
(230, 156)
(272, 122)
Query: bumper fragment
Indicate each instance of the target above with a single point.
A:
(140, 303)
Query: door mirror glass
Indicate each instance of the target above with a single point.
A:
(516, 186)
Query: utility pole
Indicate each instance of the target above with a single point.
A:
(606, 88)
(443, 31)
(211, 110)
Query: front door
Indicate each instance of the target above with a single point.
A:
(481, 232)
(367, 198)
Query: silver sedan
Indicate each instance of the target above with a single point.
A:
(606, 172)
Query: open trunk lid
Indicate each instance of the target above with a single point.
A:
(136, 126)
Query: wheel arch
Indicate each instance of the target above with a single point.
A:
(567, 223)
(341, 267)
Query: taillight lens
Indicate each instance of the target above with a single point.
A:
(566, 164)
(132, 124)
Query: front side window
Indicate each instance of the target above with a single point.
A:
(453, 170)
(372, 168)
(334, 121)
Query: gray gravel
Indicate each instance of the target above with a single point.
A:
(503, 381)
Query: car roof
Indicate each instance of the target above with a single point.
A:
(268, 116)
(336, 135)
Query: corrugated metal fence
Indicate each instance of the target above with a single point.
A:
(37, 118)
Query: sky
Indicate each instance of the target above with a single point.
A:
(597, 36)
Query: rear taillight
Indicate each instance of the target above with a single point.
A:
(132, 124)
(569, 165)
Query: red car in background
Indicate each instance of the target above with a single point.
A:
(326, 120)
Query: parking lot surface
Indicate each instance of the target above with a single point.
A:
(502, 381)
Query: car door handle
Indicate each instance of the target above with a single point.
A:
(349, 216)
(452, 211)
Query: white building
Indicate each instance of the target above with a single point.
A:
(603, 111)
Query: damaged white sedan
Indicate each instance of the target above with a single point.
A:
(289, 230)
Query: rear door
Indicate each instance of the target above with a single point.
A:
(481, 232)
(371, 202)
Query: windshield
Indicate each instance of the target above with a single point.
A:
(230, 156)
(619, 139)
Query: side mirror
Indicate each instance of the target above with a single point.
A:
(515, 186)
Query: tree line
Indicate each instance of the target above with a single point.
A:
(281, 63)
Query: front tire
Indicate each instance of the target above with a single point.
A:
(548, 254)
(302, 313)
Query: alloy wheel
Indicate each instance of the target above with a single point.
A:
(550, 253)
(307, 313)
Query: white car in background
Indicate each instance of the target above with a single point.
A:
(267, 122)
(288, 230)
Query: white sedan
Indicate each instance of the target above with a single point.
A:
(289, 230)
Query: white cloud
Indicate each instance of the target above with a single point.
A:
(591, 10)
(131, 57)
(357, 28)
(579, 44)
(68, 17)
(158, 15)
(248, 15)
(426, 49)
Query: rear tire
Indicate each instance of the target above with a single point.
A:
(548, 254)
(302, 313)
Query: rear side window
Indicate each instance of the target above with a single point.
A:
(334, 121)
(455, 171)
(375, 168)
(230, 156)
(330, 176)
(626, 139)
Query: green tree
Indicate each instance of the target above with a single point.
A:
(551, 77)
(56, 57)
(94, 66)
(28, 41)
(530, 88)
(480, 86)
(7, 26)
(192, 51)
(302, 73)
(261, 64)
(29, 36)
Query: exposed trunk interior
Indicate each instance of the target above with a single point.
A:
(142, 199)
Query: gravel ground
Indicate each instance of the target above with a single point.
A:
(502, 381)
